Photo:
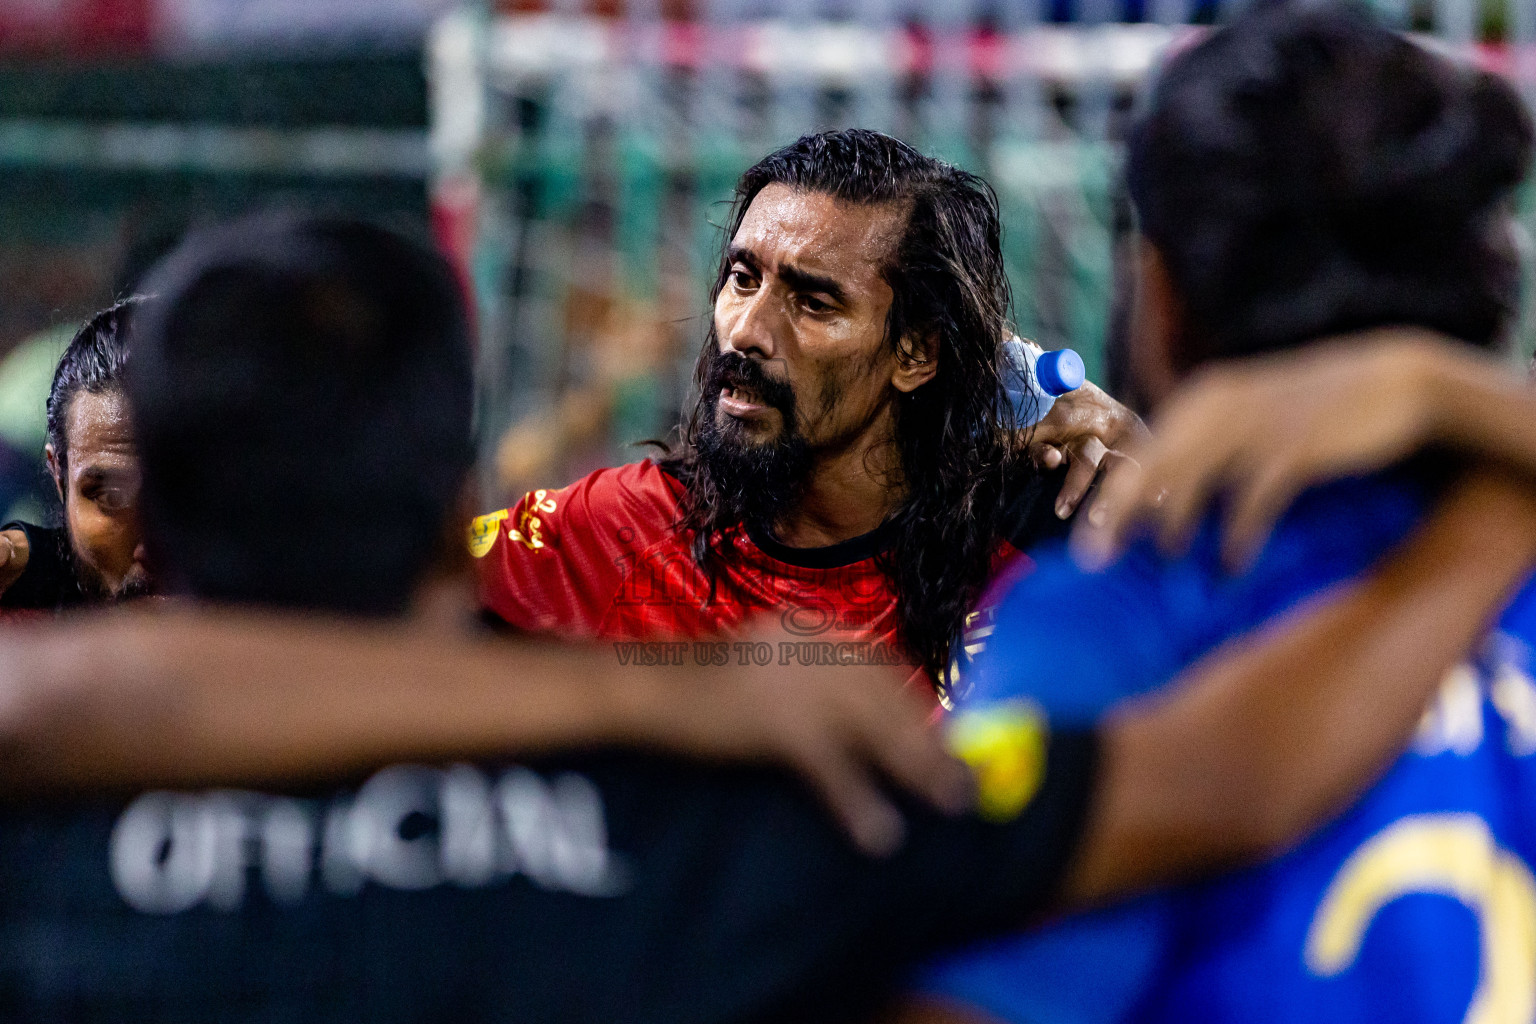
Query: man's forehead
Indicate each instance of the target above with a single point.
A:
(99, 421)
(818, 231)
(100, 456)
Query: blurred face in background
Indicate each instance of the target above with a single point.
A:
(98, 483)
(1153, 324)
(803, 359)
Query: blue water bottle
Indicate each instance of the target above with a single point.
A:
(1034, 381)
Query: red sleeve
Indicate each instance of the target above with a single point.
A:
(19, 616)
(554, 561)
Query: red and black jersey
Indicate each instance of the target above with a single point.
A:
(603, 558)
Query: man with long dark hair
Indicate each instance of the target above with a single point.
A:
(851, 461)
(97, 552)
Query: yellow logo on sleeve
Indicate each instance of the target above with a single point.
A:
(1005, 748)
(483, 532)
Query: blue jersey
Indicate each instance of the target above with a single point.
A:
(1416, 905)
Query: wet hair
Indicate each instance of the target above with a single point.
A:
(1306, 172)
(301, 392)
(954, 432)
(93, 363)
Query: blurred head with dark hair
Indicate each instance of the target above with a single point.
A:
(93, 460)
(1306, 172)
(858, 311)
(301, 389)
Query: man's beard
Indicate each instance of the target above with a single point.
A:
(137, 583)
(755, 482)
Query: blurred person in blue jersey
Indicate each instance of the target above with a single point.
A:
(1299, 174)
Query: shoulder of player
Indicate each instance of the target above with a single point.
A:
(1084, 638)
(1066, 637)
(1331, 533)
(1027, 511)
(634, 504)
(1359, 518)
(637, 490)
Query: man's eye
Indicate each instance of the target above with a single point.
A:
(814, 305)
(742, 280)
(113, 499)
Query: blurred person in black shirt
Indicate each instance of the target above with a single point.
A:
(302, 401)
(97, 554)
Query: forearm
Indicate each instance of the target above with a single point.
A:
(210, 698)
(1481, 408)
(1268, 737)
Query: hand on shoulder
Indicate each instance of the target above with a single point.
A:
(1260, 431)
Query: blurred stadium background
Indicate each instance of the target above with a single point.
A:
(572, 156)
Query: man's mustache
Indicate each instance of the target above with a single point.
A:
(136, 585)
(735, 371)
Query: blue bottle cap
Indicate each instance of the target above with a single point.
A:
(1059, 372)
